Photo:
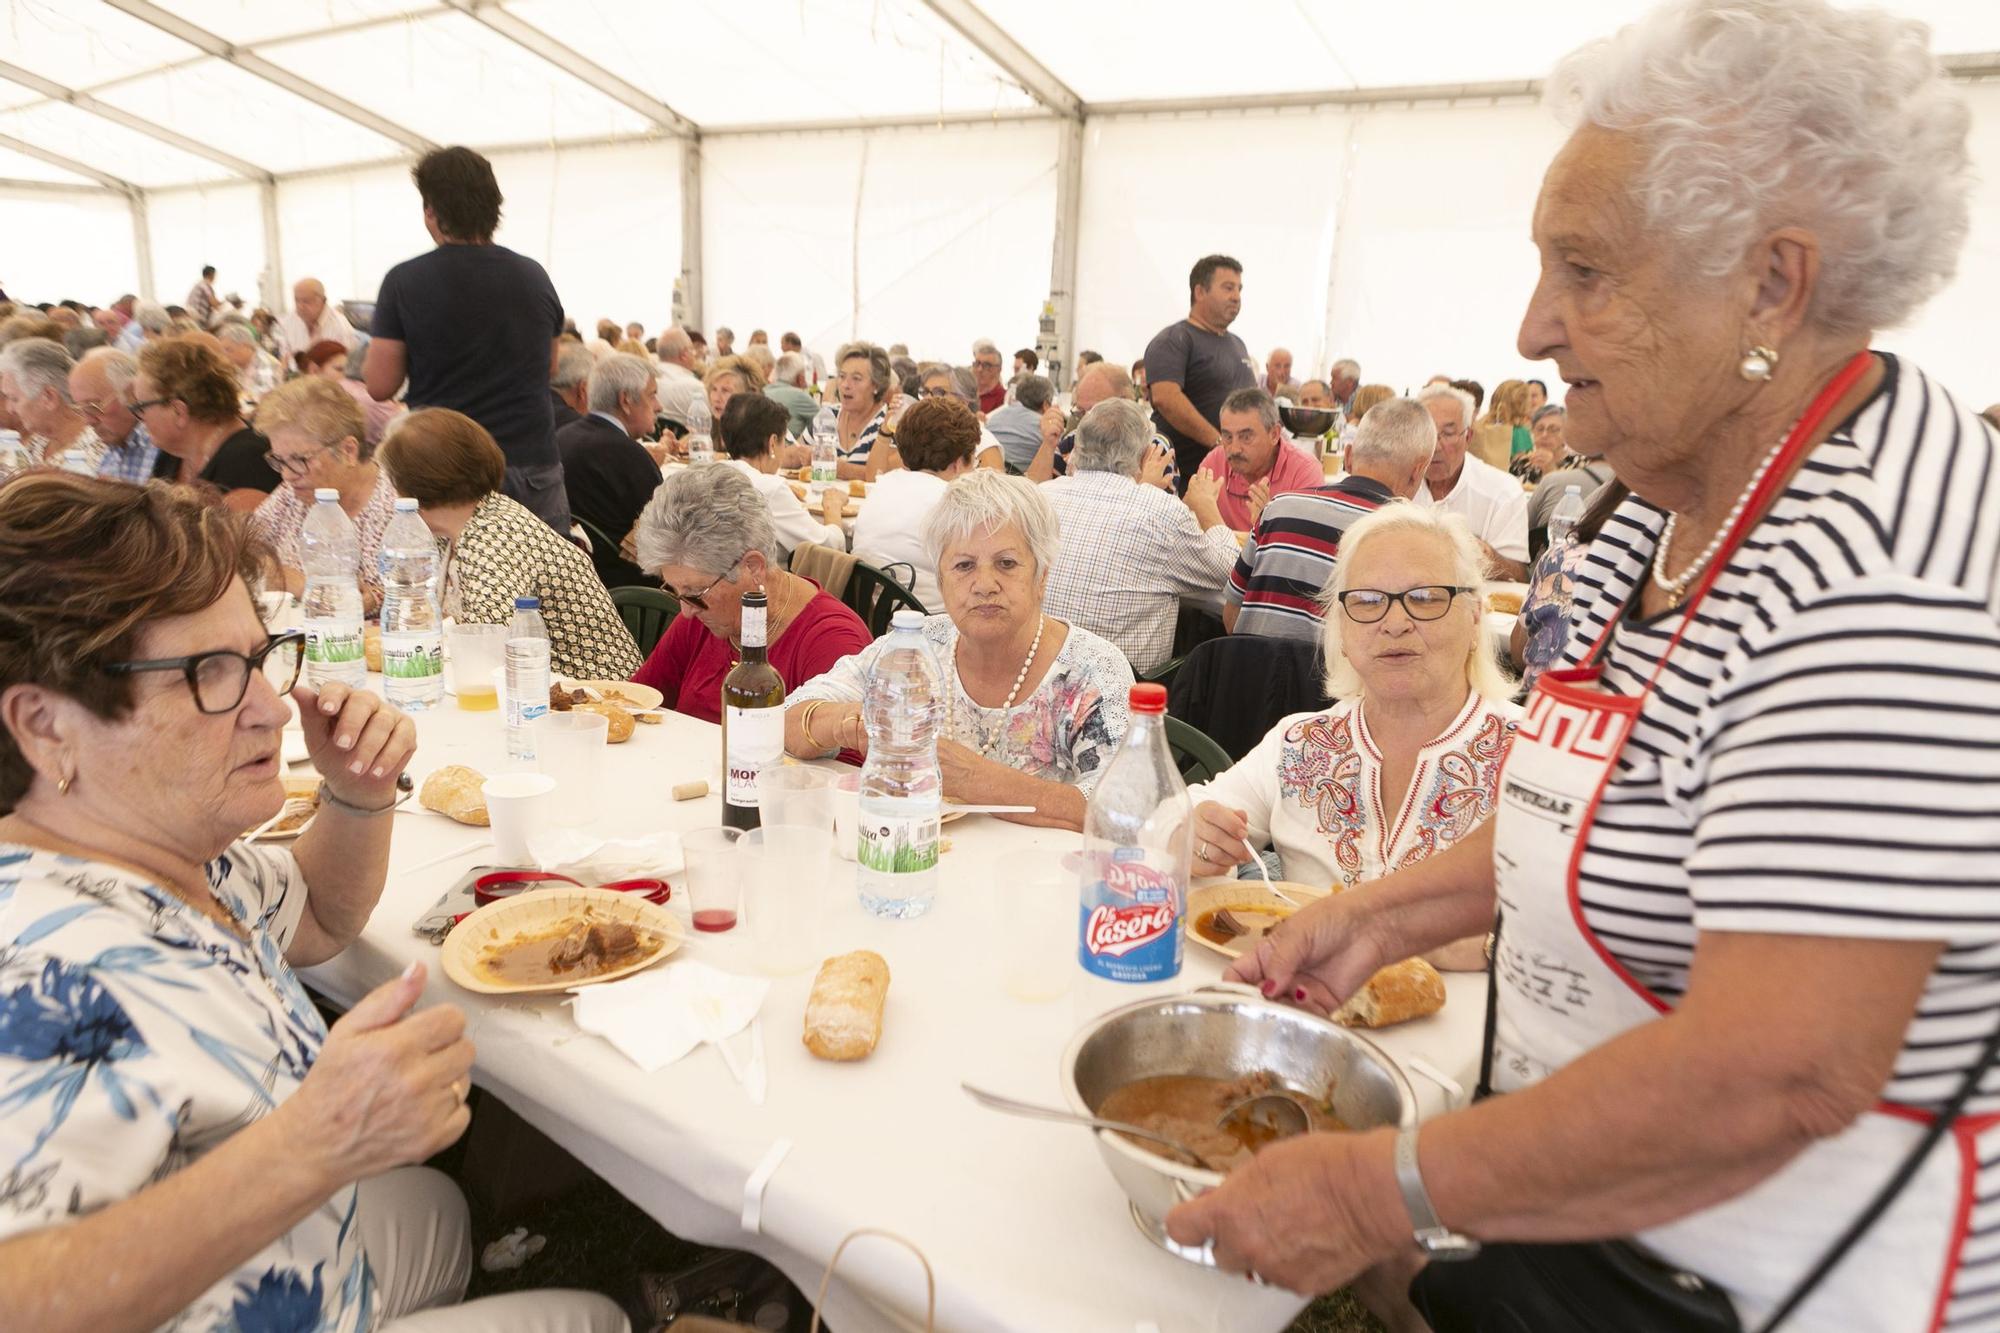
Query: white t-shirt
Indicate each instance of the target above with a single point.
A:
(795, 526)
(294, 337)
(1491, 501)
(890, 528)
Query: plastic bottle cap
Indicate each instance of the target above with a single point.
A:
(1148, 697)
(405, 505)
(527, 603)
(325, 494)
(907, 619)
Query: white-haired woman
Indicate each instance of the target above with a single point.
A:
(1407, 761)
(1747, 846)
(1033, 707)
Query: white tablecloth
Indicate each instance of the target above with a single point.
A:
(1022, 1224)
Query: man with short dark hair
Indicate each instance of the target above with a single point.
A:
(1195, 363)
(201, 297)
(789, 342)
(474, 326)
(1026, 362)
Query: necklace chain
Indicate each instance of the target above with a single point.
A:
(951, 695)
(1676, 588)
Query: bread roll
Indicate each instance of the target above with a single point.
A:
(844, 1013)
(1398, 993)
(371, 647)
(454, 790)
(621, 721)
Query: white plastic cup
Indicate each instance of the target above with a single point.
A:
(475, 655)
(571, 749)
(1035, 893)
(519, 806)
(846, 792)
(784, 873)
(714, 878)
(790, 795)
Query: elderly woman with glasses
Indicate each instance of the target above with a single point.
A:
(937, 380)
(186, 397)
(1033, 707)
(708, 534)
(319, 438)
(187, 1144)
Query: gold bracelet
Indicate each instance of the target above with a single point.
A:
(806, 724)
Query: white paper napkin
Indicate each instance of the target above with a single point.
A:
(596, 860)
(660, 1015)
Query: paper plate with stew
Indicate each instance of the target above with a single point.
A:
(556, 939)
(1230, 916)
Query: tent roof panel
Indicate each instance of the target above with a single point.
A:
(218, 104)
(97, 142)
(249, 22)
(20, 167)
(81, 45)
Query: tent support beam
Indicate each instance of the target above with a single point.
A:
(69, 164)
(250, 62)
(142, 242)
(84, 102)
(272, 279)
(691, 283)
(52, 187)
(994, 42)
(540, 44)
(1062, 269)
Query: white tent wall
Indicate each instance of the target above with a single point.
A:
(221, 225)
(81, 245)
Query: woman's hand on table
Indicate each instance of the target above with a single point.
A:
(359, 744)
(962, 769)
(1317, 957)
(1221, 839)
(388, 1087)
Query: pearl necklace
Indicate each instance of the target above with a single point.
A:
(1676, 588)
(951, 698)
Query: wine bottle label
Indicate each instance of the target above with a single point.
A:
(753, 625)
(756, 741)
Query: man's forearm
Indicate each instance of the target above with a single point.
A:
(1173, 404)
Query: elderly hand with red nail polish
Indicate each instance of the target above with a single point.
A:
(1319, 956)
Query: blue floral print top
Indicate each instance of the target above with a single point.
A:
(137, 1034)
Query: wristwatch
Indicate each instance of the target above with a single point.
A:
(1433, 1237)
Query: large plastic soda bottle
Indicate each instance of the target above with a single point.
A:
(331, 551)
(1138, 849)
(1568, 513)
(527, 677)
(825, 451)
(412, 627)
(901, 789)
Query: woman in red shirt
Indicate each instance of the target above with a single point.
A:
(708, 535)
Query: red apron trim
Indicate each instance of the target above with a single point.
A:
(1961, 1224)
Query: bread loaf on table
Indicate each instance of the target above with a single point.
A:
(454, 790)
(1398, 993)
(844, 1013)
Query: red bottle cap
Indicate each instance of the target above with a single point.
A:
(1149, 698)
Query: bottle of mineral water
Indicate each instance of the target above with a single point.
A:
(1138, 850)
(826, 451)
(412, 628)
(701, 432)
(331, 551)
(527, 677)
(901, 788)
(1568, 513)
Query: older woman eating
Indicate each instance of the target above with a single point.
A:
(1747, 844)
(186, 398)
(751, 432)
(1407, 762)
(707, 533)
(319, 437)
(1033, 707)
(499, 550)
(187, 1145)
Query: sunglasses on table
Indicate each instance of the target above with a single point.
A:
(219, 680)
(1365, 606)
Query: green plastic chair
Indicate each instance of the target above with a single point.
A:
(876, 597)
(647, 612)
(1198, 757)
(1165, 674)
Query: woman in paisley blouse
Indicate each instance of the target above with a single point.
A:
(183, 1143)
(1405, 764)
(1033, 707)
(499, 550)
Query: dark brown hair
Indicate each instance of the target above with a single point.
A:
(1202, 275)
(194, 373)
(84, 565)
(935, 433)
(458, 187)
(440, 457)
(749, 422)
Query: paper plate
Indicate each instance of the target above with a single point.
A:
(1245, 898)
(541, 911)
(299, 814)
(636, 696)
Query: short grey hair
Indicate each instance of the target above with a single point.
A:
(617, 375)
(966, 385)
(236, 331)
(706, 517)
(1112, 437)
(1430, 392)
(1483, 672)
(1395, 434)
(878, 364)
(151, 316)
(120, 368)
(788, 369)
(573, 366)
(673, 344)
(1116, 376)
(1790, 112)
(1547, 410)
(760, 353)
(1034, 392)
(987, 500)
(37, 364)
(1345, 369)
(984, 345)
(1253, 400)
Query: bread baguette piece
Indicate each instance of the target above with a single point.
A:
(620, 729)
(454, 791)
(844, 1012)
(1398, 993)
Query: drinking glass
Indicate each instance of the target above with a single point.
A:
(794, 796)
(714, 879)
(784, 872)
(1035, 895)
(476, 653)
(846, 791)
(571, 749)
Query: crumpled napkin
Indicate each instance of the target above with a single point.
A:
(659, 1015)
(594, 860)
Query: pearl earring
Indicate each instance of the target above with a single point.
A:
(1758, 363)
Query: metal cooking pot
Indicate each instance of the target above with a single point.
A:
(1225, 1033)
(1306, 422)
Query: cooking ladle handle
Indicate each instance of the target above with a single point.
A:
(1034, 1111)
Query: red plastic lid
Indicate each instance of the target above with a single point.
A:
(1149, 698)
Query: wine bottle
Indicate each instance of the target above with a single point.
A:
(753, 720)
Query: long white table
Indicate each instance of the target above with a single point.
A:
(1021, 1222)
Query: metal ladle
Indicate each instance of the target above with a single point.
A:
(1275, 1111)
(1033, 1111)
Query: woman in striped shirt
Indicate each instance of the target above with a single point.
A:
(1747, 850)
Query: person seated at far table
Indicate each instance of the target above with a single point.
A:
(34, 386)
(1034, 708)
(1407, 761)
(499, 550)
(1254, 462)
(318, 436)
(609, 474)
(865, 387)
(707, 533)
(188, 1144)
(751, 432)
(938, 436)
(185, 396)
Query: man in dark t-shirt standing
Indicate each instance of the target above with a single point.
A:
(1195, 363)
(473, 326)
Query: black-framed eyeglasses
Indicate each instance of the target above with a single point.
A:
(699, 600)
(295, 467)
(220, 679)
(139, 408)
(1365, 606)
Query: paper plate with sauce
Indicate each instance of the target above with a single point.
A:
(1229, 916)
(555, 939)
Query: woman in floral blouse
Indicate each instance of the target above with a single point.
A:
(499, 550)
(1408, 761)
(183, 1142)
(319, 437)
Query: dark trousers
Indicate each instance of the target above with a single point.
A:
(540, 488)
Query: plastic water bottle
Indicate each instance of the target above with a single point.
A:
(1568, 513)
(901, 788)
(1138, 851)
(332, 556)
(700, 436)
(826, 451)
(412, 627)
(527, 677)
